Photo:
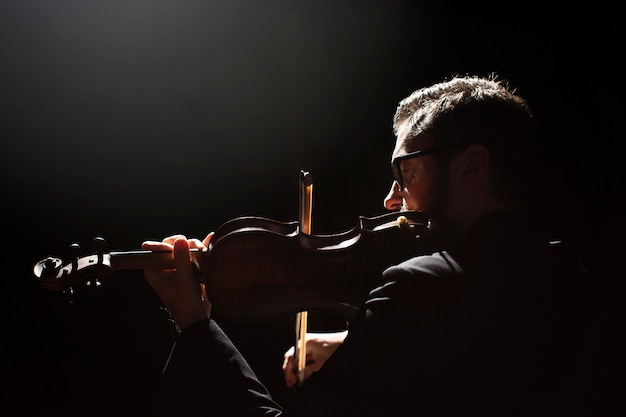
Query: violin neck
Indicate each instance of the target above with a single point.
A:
(142, 259)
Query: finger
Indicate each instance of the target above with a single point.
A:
(206, 301)
(290, 380)
(196, 244)
(171, 239)
(207, 239)
(288, 358)
(182, 258)
(288, 373)
(156, 246)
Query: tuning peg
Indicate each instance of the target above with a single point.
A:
(73, 253)
(99, 245)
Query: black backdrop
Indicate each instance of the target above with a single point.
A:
(134, 120)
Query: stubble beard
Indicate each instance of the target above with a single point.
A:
(438, 211)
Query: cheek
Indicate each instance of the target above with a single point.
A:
(423, 194)
(415, 196)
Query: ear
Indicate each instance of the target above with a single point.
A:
(474, 168)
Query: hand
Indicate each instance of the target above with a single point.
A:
(319, 347)
(179, 289)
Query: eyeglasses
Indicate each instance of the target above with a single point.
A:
(395, 164)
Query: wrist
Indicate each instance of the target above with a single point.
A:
(190, 318)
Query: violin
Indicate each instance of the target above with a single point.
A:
(259, 270)
(256, 269)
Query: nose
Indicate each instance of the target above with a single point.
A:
(393, 201)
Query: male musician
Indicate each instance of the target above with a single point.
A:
(498, 324)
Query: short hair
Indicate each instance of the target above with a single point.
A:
(470, 109)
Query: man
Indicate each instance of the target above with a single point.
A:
(498, 324)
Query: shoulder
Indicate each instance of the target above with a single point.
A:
(420, 282)
(439, 265)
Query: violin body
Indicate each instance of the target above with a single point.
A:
(258, 270)
(262, 273)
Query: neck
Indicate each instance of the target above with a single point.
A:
(462, 219)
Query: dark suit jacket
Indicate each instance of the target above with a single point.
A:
(505, 323)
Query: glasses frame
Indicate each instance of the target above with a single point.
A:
(395, 163)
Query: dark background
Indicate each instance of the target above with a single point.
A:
(138, 119)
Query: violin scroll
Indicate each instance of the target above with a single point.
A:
(52, 274)
(100, 265)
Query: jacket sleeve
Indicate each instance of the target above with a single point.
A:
(206, 375)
